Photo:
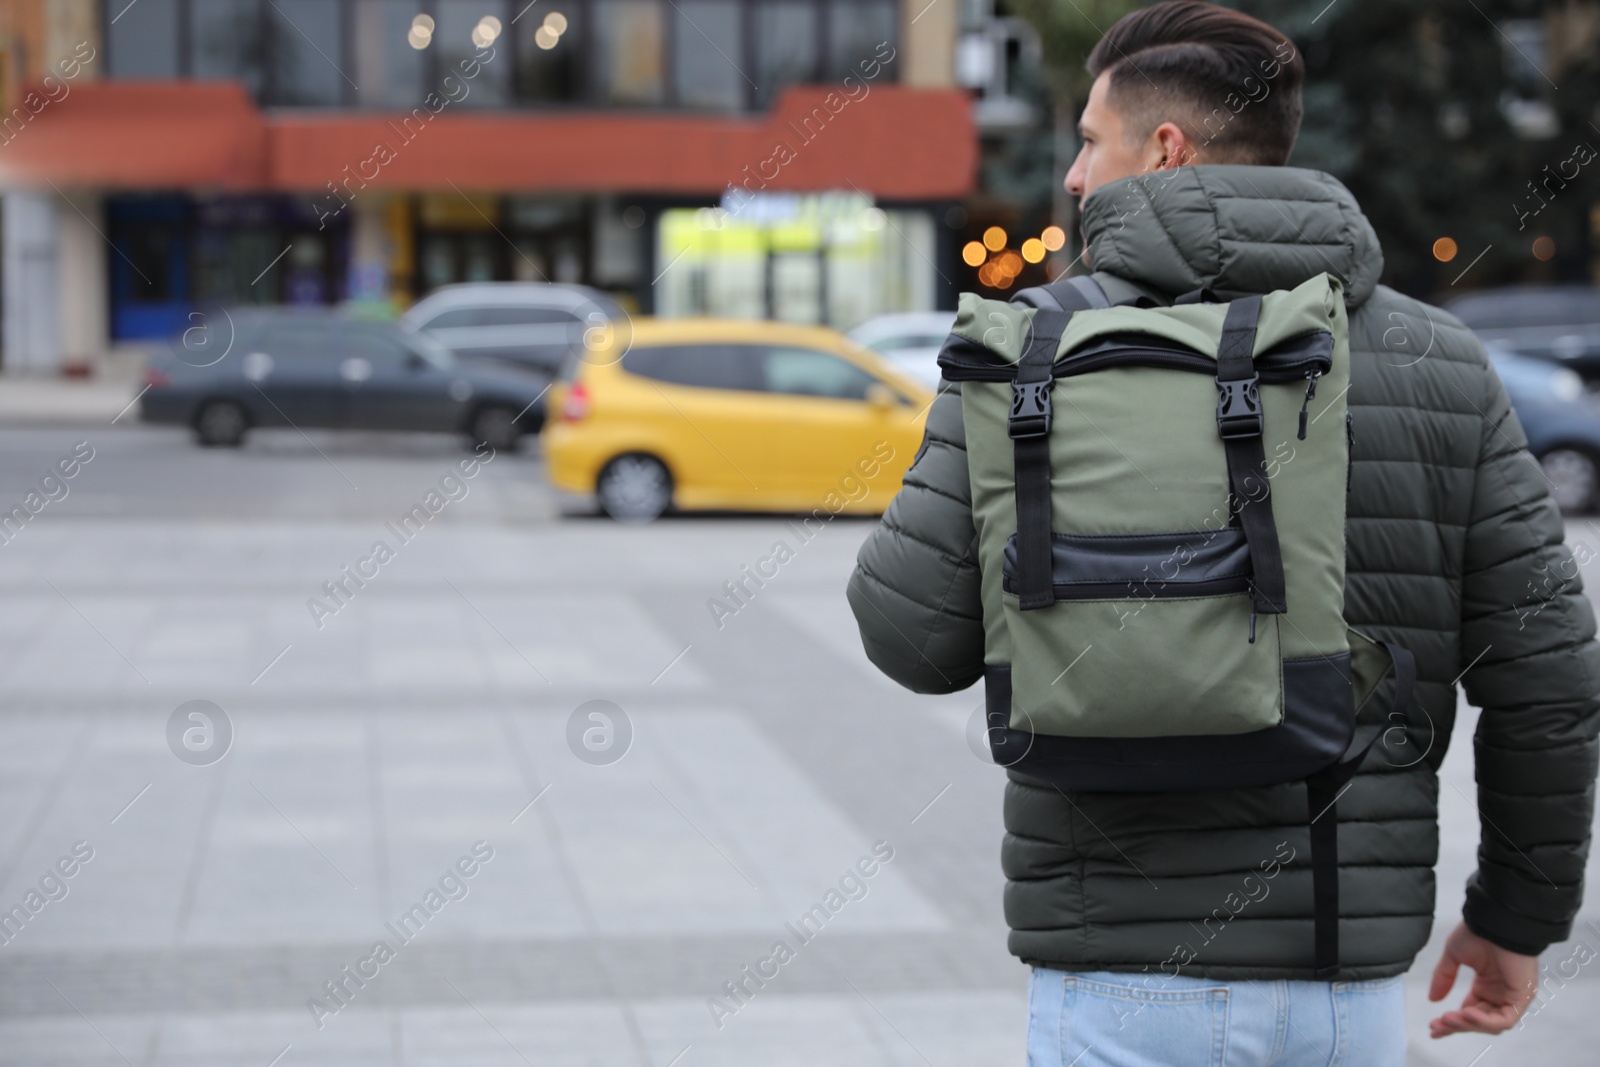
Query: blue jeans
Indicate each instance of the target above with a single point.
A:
(1102, 1019)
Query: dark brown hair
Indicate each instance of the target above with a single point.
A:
(1231, 82)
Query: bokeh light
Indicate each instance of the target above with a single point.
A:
(1544, 249)
(994, 238)
(1033, 250)
(1054, 238)
(1444, 249)
(973, 253)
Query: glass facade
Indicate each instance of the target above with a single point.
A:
(226, 39)
(706, 54)
(306, 59)
(828, 258)
(702, 55)
(147, 45)
(460, 34)
(629, 51)
(386, 67)
(856, 30)
(785, 46)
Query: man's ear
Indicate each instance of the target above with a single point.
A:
(1171, 147)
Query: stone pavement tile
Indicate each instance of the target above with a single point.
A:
(289, 857)
(448, 781)
(129, 892)
(797, 838)
(72, 1041)
(970, 1029)
(360, 1038)
(735, 838)
(281, 977)
(774, 1031)
(573, 1033)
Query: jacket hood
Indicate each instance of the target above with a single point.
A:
(1232, 229)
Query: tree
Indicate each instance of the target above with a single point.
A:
(1468, 121)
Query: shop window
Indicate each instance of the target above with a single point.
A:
(226, 40)
(630, 35)
(785, 46)
(141, 38)
(448, 258)
(388, 68)
(549, 54)
(237, 266)
(829, 258)
(706, 38)
(306, 273)
(153, 257)
(307, 52)
(464, 32)
(857, 29)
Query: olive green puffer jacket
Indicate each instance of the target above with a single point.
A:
(1454, 551)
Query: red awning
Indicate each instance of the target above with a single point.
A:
(136, 135)
(891, 142)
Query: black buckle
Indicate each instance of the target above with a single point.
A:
(1238, 408)
(1030, 409)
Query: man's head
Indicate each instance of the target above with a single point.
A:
(1187, 82)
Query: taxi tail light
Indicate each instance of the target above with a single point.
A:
(156, 379)
(575, 405)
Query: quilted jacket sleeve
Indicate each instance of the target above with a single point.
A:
(915, 588)
(1527, 638)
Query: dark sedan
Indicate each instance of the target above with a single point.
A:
(1560, 323)
(1562, 424)
(234, 371)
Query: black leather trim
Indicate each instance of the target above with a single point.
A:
(1318, 723)
(1142, 566)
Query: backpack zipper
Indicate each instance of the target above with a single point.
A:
(1311, 391)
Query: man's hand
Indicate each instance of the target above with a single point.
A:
(1503, 985)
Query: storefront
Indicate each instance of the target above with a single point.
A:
(831, 258)
(176, 252)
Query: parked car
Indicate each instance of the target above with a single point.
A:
(318, 369)
(1559, 323)
(1562, 424)
(713, 414)
(533, 325)
(910, 340)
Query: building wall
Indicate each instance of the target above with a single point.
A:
(68, 24)
(928, 39)
(80, 283)
(32, 318)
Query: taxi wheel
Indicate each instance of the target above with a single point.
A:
(634, 488)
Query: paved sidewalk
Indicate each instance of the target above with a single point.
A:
(434, 711)
(34, 400)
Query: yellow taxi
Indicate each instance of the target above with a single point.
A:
(700, 414)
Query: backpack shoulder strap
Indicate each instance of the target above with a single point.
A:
(1323, 791)
(1065, 294)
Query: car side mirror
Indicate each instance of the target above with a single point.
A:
(881, 397)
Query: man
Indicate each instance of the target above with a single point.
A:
(1454, 551)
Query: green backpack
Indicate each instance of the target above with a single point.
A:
(1159, 495)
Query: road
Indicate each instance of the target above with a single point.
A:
(417, 761)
